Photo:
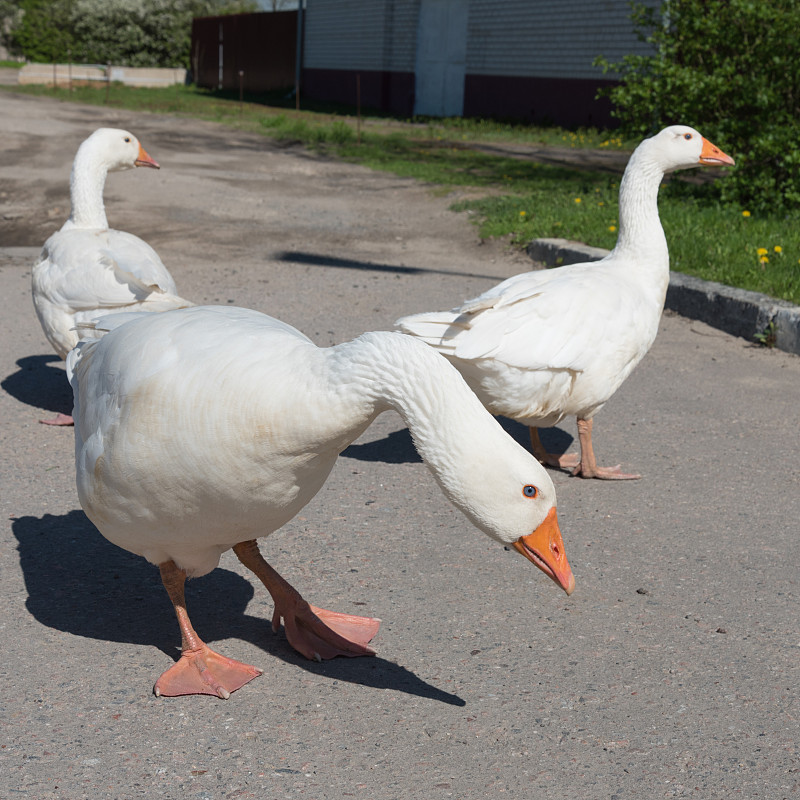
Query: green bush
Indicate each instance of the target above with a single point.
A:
(730, 68)
(39, 31)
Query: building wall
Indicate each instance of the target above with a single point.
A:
(533, 60)
(543, 39)
(372, 39)
(526, 59)
(361, 34)
(261, 46)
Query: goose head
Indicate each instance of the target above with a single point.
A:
(542, 545)
(508, 495)
(106, 150)
(116, 150)
(680, 147)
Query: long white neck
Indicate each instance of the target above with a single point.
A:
(640, 233)
(462, 444)
(86, 185)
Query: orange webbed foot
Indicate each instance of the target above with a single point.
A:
(59, 420)
(563, 461)
(604, 473)
(315, 633)
(203, 671)
(318, 634)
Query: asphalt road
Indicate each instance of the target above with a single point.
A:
(672, 671)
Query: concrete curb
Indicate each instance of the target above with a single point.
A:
(735, 311)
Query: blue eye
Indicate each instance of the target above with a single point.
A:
(530, 491)
(687, 136)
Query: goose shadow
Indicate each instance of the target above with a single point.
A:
(80, 583)
(40, 382)
(398, 447)
(326, 261)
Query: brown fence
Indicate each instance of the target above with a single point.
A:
(261, 46)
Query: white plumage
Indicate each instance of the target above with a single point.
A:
(202, 429)
(548, 344)
(85, 267)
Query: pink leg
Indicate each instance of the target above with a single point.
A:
(314, 632)
(588, 465)
(58, 419)
(565, 461)
(199, 670)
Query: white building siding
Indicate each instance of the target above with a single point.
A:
(357, 35)
(540, 38)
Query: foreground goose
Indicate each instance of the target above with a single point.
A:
(85, 268)
(547, 344)
(270, 413)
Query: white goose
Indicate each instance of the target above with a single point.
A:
(86, 268)
(270, 414)
(546, 344)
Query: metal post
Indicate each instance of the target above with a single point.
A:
(298, 61)
(219, 73)
(358, 105)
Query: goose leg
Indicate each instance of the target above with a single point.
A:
(199, 670)
(564, 461)
(314, 632)
(588, 465)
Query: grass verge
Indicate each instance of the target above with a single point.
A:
(522, 199)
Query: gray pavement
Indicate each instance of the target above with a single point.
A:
(672, 671)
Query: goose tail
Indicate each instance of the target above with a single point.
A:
(433, 328)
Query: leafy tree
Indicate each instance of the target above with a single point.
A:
(730, 68)
(42, 30)
(133, 33)
(10, 15)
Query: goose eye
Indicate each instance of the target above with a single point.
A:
(530, 491)
(687, 136)
(127, 138)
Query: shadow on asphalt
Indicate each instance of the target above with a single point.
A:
(315, 260)
(40, 382)
(81, 584)
(398, 448)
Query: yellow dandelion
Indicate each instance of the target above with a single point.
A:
(523, 213)
(612, 228)
(601, 203)
(577, 199)
(745, 213)
(778, 248)
(762, 251)
(764, 260)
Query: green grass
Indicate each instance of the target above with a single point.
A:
(708, 240)
(521, 199)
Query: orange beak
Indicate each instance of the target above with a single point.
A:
(711, 154)
(546, 550)
(144, 160)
